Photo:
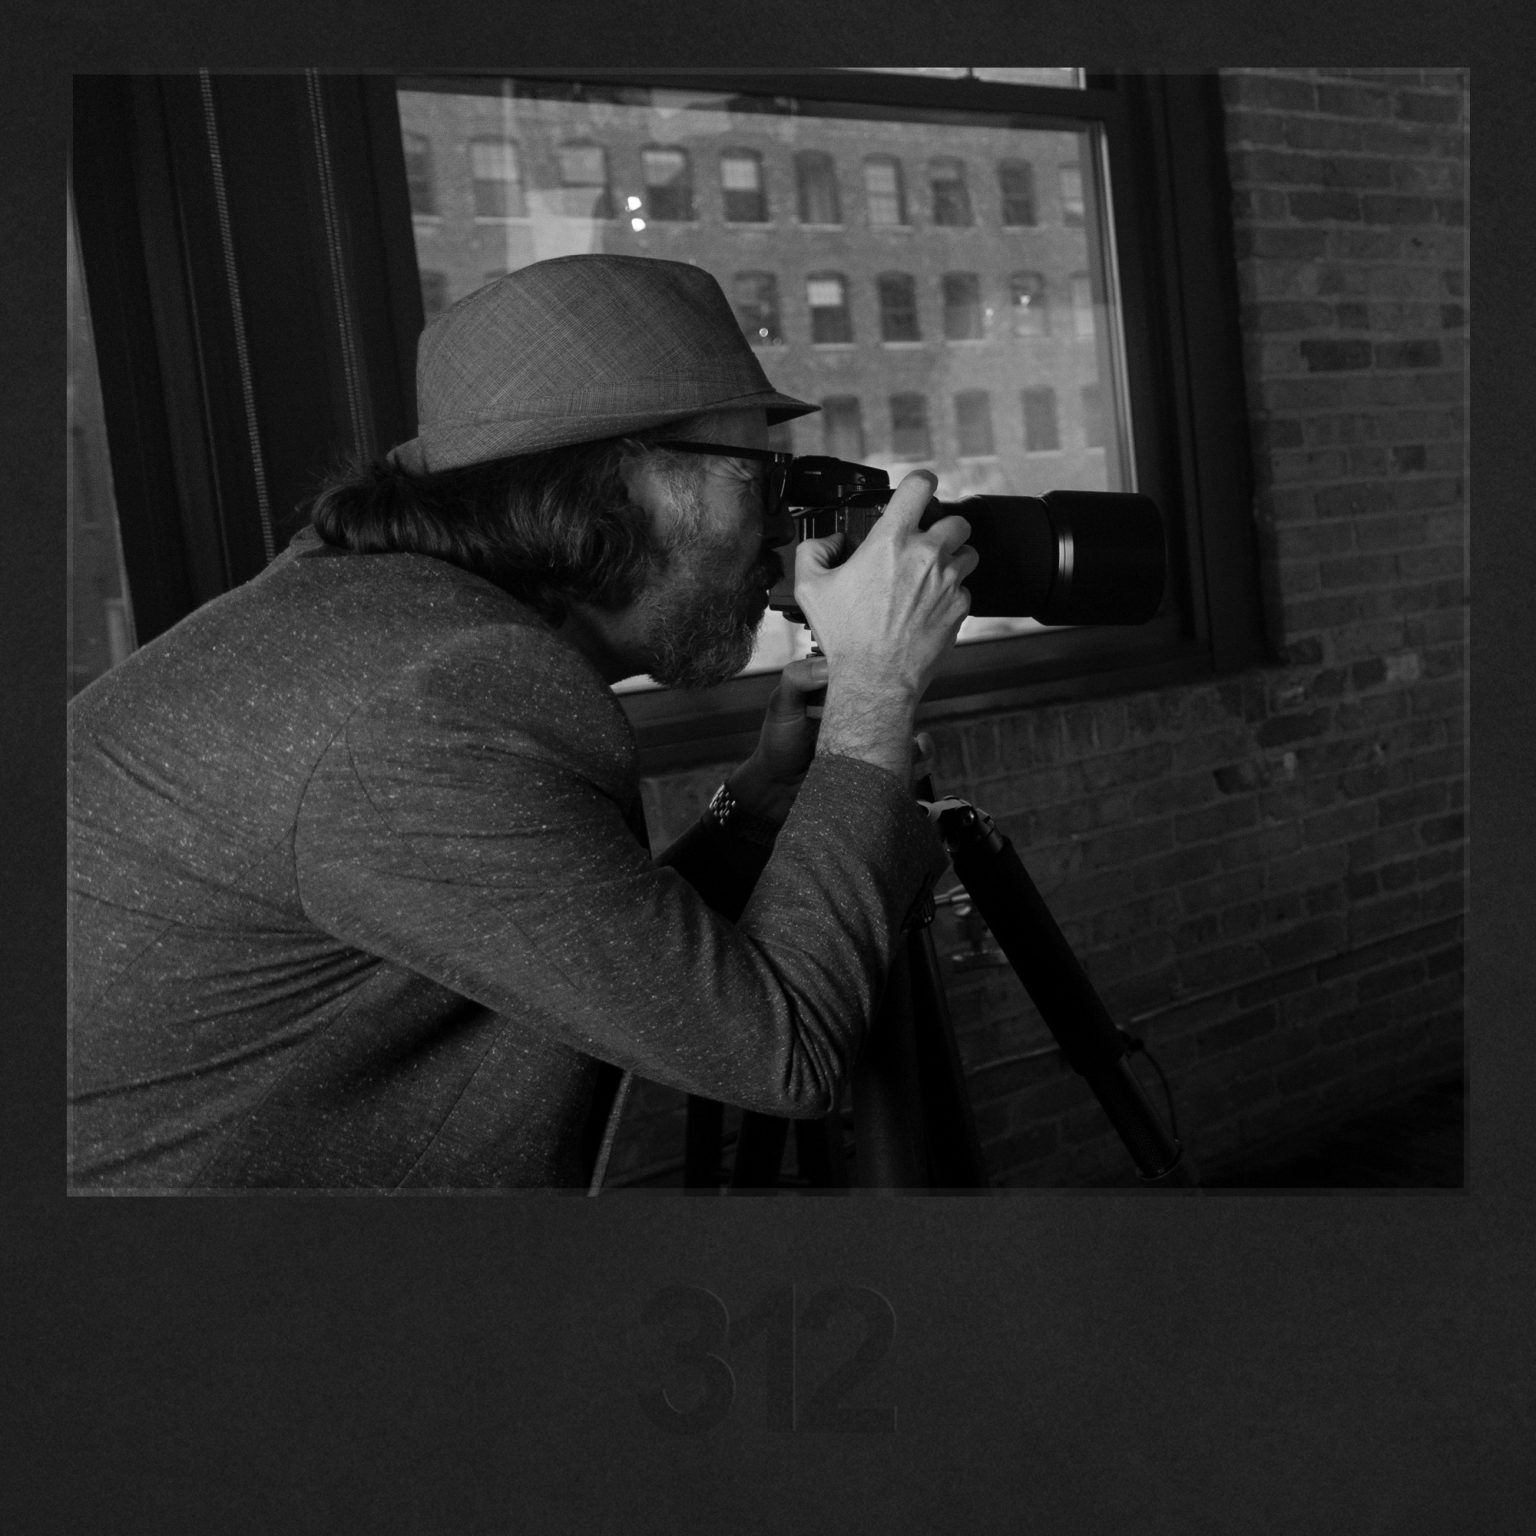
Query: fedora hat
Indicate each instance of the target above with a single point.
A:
(576, 349)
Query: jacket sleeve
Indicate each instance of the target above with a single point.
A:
(470, 825)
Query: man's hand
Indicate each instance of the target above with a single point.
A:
(766, 783)
(885, 618)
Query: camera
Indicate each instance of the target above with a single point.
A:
(1068, 557)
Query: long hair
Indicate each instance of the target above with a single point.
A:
(549, 528)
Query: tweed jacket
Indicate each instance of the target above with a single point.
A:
(359, 899)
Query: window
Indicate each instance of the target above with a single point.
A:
(1016, 188)
(910, 438)
(668, 186)
(951, 199)
(584, 192)
(498, 187)
(827, 295)
(897, 292)
(741, 182)
(1026, 302)
(962, 307)
(1093, 417)
(973, 424)
(1072, 196)
(842, 426)
(434, 292)
(884, 190)
(1041, 432)
(1155, 256)
(816, 181)
(1082, 306)
(755, 296)
(418, 173)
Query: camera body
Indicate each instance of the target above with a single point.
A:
(1068, 557)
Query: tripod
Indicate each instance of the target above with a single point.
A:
(913, 1126)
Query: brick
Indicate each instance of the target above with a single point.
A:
(1278, 240)
(1351, 501)
(1353, 101)
(1344, 821)
(1261, 845)
(1222, 890)
(1279, 91)
(1407, 354)
(1336, 356)
(1358, 571)
(1314, 207)
(1286, 729)
(1316, 866)
(1312, 940)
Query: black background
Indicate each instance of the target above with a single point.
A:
(1063, 1362)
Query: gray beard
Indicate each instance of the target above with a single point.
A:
(700, 637)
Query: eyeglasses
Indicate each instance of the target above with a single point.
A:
(778, 463)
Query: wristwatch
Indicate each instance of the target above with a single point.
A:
(727, 815)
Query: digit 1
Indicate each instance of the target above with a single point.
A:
(774, 1317)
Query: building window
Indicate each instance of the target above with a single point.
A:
(827, 295)
(1082, 306)
(668, 185)
(973, 424)
(498, 184)
(434, 293)
(842, 427)
(885, 190)
(1041, 432)
(756, 299)
(1016, 189)
(1093, 416)
(962, 307)
(418, 173)
(951, 197)
(898, 307)
(1026, 303)
(816, 179)
(910, 438)
(741, 181)
(584, 189)
(1072, 196)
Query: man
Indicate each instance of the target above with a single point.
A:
(360, 896)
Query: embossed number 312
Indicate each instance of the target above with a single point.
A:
(774, 1318)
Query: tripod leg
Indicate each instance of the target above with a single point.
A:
(819, 1154)
(954, 1150)
(889, 1151)
(701, 1144)
(759, 1151)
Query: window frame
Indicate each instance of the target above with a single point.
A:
(340, 374)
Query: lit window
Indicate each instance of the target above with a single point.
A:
(897, 292)
(973, 424)
(418, 173)
(1041, 432)
(741, 180)
(816, 180)
(1072, 196)
(1082, 306)
(755, 296)
(884, 190)
(668, 185)
(951, 197)
(827, 295)
(498, 185)
(842, 425)
(1026, 297)
(910, 438)
(1016, 186)
(584, 182)
(962, 307)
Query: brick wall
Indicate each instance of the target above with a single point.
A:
(1263, 874)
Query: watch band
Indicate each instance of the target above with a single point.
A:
(726, 813)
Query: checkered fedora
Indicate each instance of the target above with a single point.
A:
(576, 349)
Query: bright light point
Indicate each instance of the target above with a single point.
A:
(631, 203)
(637, 224)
